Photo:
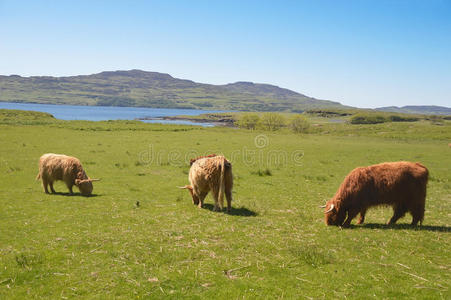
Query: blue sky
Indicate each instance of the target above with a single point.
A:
(360, 53)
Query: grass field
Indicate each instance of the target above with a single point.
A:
(274, 243)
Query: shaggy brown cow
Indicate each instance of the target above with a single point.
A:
(53, 167)
(401, 185)
(211, 173)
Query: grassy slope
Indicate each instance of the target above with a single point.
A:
(151, 89)
(274, 243)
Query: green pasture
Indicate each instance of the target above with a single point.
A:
(273, 244)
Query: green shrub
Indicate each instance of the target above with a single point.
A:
(328, 113)
(368, 119)
(272, 121)
(436, 120)
(249, 121)
(398, 118)
(299, 124)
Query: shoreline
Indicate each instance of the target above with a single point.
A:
(217, 120)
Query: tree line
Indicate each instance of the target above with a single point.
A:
(273, 121)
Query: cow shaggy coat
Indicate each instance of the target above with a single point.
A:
(401, 185)
(53, 167)
(211, 173)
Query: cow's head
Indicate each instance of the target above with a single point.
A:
(333, 215)
(194, 196)
(85, 186)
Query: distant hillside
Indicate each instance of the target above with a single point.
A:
(151, 89)
(426, 110)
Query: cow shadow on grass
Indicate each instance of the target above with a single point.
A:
(241, 211)
(73, 195)
(403, 226)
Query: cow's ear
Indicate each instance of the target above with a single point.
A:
(77, 182)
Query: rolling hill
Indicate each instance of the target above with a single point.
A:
(152, 89)
(418, 109)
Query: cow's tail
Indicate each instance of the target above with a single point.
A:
(38, 176)
(418, 210)
(221, 184)
(425, 174)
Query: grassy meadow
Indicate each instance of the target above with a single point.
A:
(273, 244)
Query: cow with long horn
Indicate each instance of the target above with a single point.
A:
(53, 167)
(213, 172)
(401, 185)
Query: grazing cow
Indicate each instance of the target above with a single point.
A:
(53, 167)
(401, 185)
(211, 173)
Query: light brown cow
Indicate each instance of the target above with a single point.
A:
(53, 167)
(211, 173)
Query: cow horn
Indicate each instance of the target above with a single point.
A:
(330, 209)
(94, 179)
(322, 206)
(187, 187)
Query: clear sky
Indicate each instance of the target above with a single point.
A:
(360, 53)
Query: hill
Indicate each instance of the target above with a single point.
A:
(152, 89)
(420, 109)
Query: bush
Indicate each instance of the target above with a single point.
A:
(367, 119)
(330, 113)
(397, 118)
(249, 121)
(272, 121)
(299, 124)
(436, 120)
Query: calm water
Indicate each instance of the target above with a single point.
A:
(102, 113)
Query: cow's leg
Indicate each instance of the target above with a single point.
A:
(415, 220)
(51, 187)
(195, 199)
(194, 196)
(352, 213)
(69, 186)
(228, 194)
(362, 216)
(201, 199)
(45, 185)
(215, 193)
(399, 212)
(417, 214)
